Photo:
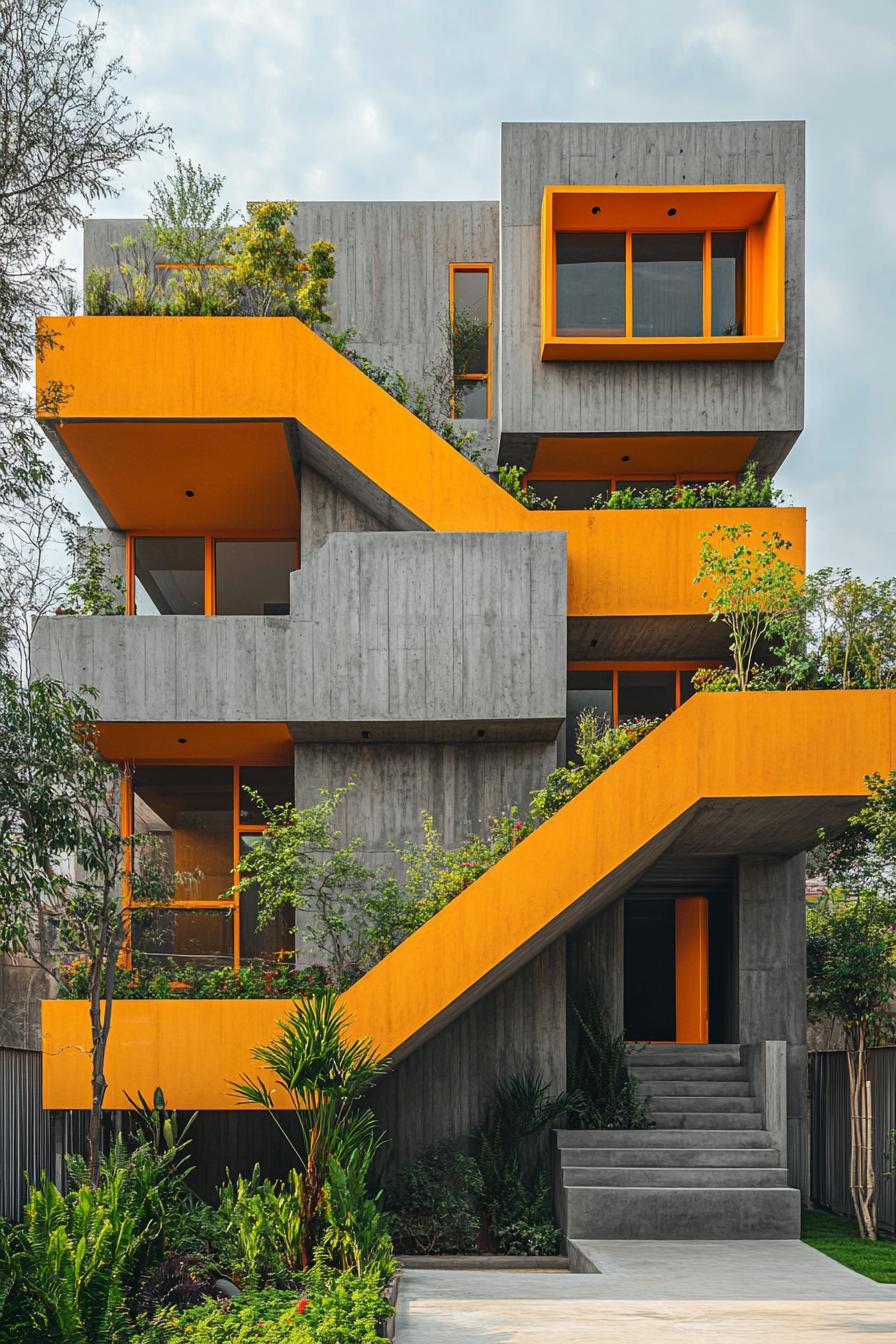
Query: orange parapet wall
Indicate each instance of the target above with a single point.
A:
(806, 752)
(620, 563)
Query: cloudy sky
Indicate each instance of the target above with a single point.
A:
(355, 99)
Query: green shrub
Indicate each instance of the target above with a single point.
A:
(606, 1095)
(151, 978)
(100, 300)
(436, 1204)
(599, 747)
(752, 491)
(356, 1234)
(333, 1309)
(510, 478)
(261, 1223)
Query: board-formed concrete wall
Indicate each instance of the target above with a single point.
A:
(421, 626)
(422, 629)
(606, 397)
(771, 977)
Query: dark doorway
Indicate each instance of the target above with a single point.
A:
(649, 997)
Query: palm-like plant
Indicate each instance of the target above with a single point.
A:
(324, 1072)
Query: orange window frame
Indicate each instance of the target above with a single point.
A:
(209, 539)
(238, 828)
(679, 666)
(757, 211)
(486, 376)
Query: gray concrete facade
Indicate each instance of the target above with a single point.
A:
(608, 397)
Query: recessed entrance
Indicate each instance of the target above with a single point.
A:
(666, 995)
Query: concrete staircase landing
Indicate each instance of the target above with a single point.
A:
(705, 1170)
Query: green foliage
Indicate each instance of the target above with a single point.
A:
(753, 589)
(271, 274)
(436, 1204)
(851, 963)
(842, 634)
(336, 1309)
(93, 589)
(511, 479)
(324, 1076)
(100, 299)
(863, 857)
(356, 1234)
(434, 400)
(153, 978)
(752, 491)
(513, 1159)
(599, 747)
(186, 215)
(261, 1222)
(606, 1095)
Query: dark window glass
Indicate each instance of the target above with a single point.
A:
(275, 783)
(590, 284)
(649, 970)
(169, 576)
(728, 283)
(648, 695)
(471, 321)
(687, 685)
(571, 494)
(252, 577)
(586, 690)
(667, 284)
(275, 937)
(186, 814)
(470, 399)
(174, 936)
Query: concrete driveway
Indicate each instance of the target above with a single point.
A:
(664, 1292)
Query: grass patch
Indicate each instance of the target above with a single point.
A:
(838, 1238)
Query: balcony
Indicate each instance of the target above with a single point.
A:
(142, 390)
(726, 774)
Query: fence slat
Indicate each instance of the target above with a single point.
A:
(829, 1132)
(32, 1140)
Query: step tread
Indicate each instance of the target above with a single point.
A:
(692, 1087)
(672, 1157)
(707, 1137)
(670, 1177)
(663, 1103)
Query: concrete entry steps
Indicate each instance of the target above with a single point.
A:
(706, 1169)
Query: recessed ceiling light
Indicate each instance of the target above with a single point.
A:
(182, 741)
(365, 733)
(671, 210)
(189, 493)
(480, 732)
(595, 209)
(626, 457)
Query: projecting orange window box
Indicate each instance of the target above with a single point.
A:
(662, 272)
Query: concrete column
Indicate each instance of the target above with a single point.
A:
(771, 978)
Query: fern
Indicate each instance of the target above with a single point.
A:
(608, 1096)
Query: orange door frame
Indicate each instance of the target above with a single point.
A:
(692, 970)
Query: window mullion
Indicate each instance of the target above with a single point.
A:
(628, 283)
(707, 283)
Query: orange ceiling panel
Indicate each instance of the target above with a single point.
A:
(240, 474)
(594, 458)
(260, 743)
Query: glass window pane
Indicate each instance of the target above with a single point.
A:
(586, 690)
(648, 695)
(471, 316)
(571, 494)
(187, 811)
(275, 783)
(590, 284)
(470, 399)
(667, 284)
(169, 576)
(174, 936)
(252, 577)
(275, 937)
(728, 251)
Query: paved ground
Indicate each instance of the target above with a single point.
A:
(664, 1292)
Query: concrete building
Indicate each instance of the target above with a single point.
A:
(321, 588)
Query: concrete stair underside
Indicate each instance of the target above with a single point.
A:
(706, 1169)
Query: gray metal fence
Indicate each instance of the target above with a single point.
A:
(829, 1131)
(32, 1140)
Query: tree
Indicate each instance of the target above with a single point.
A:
(851, 967)
(185, 214)
(67, 133)
(753, 589)
(324, 1073)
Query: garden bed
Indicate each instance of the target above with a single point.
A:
(839, 1238)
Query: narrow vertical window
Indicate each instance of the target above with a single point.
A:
(728, 283)
(470, 312)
